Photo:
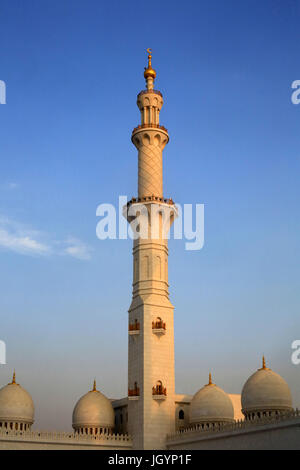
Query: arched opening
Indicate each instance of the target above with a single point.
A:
(158, 324)
(159, 389)
(181, 414)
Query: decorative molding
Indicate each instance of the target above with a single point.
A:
(63, 437)
(213, 429)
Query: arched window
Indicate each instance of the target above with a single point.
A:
(158, 324)
(159, 387)
(181, 414)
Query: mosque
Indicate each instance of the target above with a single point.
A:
(152, 415)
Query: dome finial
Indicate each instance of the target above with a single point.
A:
(149, 73)
(210, 382)
(94, 386)
(149, 56)
(264, 366)
(13, 382)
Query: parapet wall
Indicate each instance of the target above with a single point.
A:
(280, 432)
(43, 440)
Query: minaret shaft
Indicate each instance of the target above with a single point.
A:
(150, 139)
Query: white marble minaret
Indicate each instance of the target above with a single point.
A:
(151, 381)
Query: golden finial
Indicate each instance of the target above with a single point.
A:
(94, 386)
(264, 367)
(210, 382)
(149, 71)
(14, 378)
(149, 56)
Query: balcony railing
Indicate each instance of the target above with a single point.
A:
(155, 126)
(134, 392)
(134, 326)
(159, 390)
(158, 325)
(151, 198)
(156, 92)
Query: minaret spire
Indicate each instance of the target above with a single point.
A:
(149, 73)
(150, 137)
(94, 386)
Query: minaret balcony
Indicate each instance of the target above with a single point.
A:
(147, 201)
(159, 327)
(134, 328)
(150, 126)
(134, 393)
(159, 392)
(144, 92)
(151, 198)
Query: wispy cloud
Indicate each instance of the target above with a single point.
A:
(10, 186)
(20, 239)
(78, 249)
(22, 244)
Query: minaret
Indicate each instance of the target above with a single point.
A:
(151, 379)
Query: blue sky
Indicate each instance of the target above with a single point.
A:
(72, 71)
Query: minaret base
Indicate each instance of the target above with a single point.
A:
(151, 365)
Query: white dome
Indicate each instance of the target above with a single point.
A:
(266, 391)
(16, 404)
(211, 405)
(93, 410)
